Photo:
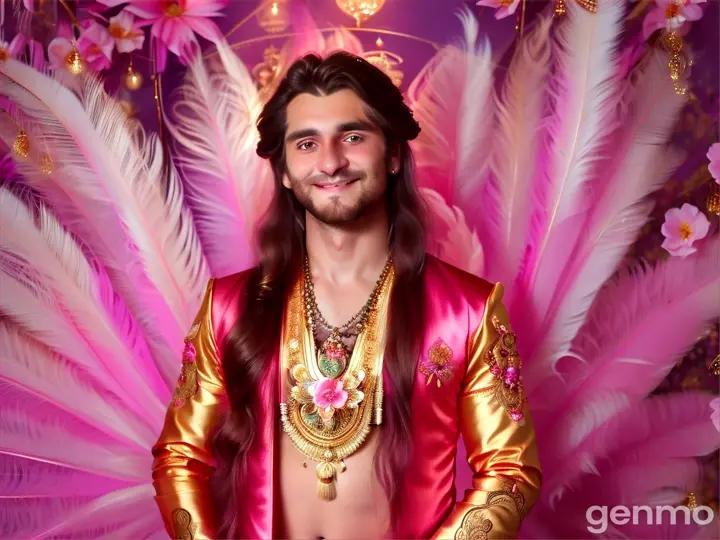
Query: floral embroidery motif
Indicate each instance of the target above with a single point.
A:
(475, 526)
(187, 385)
(508, 489)
(438, 363)
(185, 529)
(505, 364)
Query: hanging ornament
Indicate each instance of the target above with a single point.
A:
(360, 10)
(46, 164)
(273, 16)
(133, 80)
(21, 144)
(691, 501)
(73, 62)
(677, 63)
(560, 8)
(713, 203)
(715, 365)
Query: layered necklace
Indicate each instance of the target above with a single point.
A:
(333, 395)
(333, 354)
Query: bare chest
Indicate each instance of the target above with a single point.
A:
(360, 509)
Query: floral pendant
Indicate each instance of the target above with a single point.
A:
(333, 357)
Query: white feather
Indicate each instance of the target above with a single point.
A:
(213, 125)
(107, 172)
(33, 368)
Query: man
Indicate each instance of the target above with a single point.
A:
(374, 354)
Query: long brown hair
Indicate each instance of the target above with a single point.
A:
(255, 338)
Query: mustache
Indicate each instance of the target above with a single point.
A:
(338, 178)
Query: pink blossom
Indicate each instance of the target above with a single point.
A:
(671, 15)
(714, 156)
(504, 8)
(715, 416)
(329, 393)
(95, 46)
(126, 32)
(174, 24)
(58, 51)
(682, 227)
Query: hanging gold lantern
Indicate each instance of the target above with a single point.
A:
(73, 62)
(273, 16)
(713, 203)
(133, 80)
(360, 10)
(388, 62)
(21, 144)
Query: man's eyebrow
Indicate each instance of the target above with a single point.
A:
(358, 125)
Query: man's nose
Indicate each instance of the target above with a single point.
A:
(331, 159)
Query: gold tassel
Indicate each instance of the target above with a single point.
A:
(326, 473)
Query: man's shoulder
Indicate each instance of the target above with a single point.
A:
(455, 280)
(226, 301)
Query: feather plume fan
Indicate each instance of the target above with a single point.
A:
(106, 180)
(452, 99)
(507, 195)
(213, 125)
(601, 439)
(583, 96)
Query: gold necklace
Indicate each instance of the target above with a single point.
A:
(333, 354)
(326, 418)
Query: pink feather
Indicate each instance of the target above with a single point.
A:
(344, 40)
(452, 100)
(109, 178)
(583, 93)
(213, 125)
(670, 426)
(451, 238)
(38, 246)
(507, 196)
(641, 325)
(31, 367)
(639, 164)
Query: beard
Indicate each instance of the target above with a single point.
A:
(342, 208)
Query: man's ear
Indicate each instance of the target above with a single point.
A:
(286, 181)
(394, 162)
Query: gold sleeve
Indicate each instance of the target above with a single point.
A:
(182, 462)
(498, 434)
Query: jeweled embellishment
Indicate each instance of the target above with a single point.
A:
(333, 357)
(325, 403)
(438, 363)
(187, 385)
(505, 364)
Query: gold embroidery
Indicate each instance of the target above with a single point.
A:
(184, 527)
(508, 489)
(187, 384)
(505, 364)
(474, 526)
(438, 363)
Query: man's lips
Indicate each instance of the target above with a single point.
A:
(337, 185)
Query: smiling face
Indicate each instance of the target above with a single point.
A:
(336, 158)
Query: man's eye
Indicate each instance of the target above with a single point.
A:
(354, 138)
(307, 145)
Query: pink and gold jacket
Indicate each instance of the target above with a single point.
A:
(468, 384)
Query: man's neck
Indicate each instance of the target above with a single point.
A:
(344, 254)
